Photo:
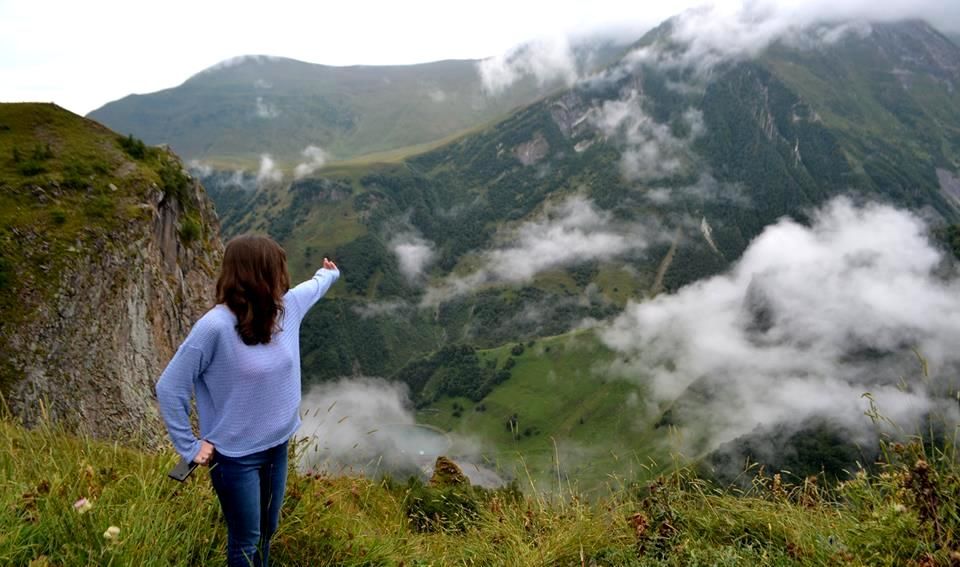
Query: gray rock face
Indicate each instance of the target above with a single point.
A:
(89, 359)
(949, 184)
(532, 151)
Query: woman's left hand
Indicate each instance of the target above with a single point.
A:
(205, 454)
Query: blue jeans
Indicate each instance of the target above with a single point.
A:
(250, 490)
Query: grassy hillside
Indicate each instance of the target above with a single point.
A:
(779, 139)
(904, 515)
(893, 110)
(559, 401)
(71, 180)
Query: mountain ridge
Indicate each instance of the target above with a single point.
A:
(251, 105)
(764, 138)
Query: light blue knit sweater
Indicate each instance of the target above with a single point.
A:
(248, 397)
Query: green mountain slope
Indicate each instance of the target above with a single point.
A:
(781, 134)
(556, 401)
(870, 115)
(252, 105)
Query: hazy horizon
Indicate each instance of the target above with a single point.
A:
(94, 53)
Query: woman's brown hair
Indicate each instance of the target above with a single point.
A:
(252, 283)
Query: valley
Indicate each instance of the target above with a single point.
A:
(688, 296)
(544, 222)
(761, 139)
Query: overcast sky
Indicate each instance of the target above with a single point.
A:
(84, 54)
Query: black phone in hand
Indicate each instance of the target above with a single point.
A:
(182, 470)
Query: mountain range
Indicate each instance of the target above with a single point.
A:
(673, 169)
(483, 264)
(247, 106)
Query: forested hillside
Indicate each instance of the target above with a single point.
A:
(636, 182)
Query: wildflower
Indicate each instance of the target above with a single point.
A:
(899, 508)
(82, 506)
(111, 533)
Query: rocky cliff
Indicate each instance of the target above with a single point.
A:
(110, 252)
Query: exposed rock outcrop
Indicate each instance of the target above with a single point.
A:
(93, 356)
(447, 473)
(532, 151)
(87, 349)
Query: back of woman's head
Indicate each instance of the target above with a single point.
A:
(252, 283)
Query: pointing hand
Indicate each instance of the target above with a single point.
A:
(327, 264)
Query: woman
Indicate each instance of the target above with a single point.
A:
(242, 362)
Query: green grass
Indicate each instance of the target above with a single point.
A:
(906, 514)
(568, 407)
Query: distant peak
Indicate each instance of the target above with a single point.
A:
(242, 60)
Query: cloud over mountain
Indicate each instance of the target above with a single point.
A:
(316, 159)
(545, 59)
(268, 172)
(808, 320)
(567, 233)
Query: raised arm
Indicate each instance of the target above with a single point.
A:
(306, 294)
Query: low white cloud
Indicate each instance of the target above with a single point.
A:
(706, 188)
(546, 60)
(199, 168)
(808, 320)
(437, 95)
(348, 423)
(265, 109)
(728, 31)
(268, 172)
(367, 425)
(240, 60)
(372, 309)
(316, 159)
(414, 254)
(567, 233)
(651, 151)
(237, 179)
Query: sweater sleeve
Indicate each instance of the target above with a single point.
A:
(306, 294)
(176, 386)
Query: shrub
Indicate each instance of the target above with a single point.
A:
(58, 216)
(433, 509)
(174, 181)
(100, 206)
(6, 273)
(41, 153)
(76, 175)
(135, 148)
(190, 230)
(31, 167)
